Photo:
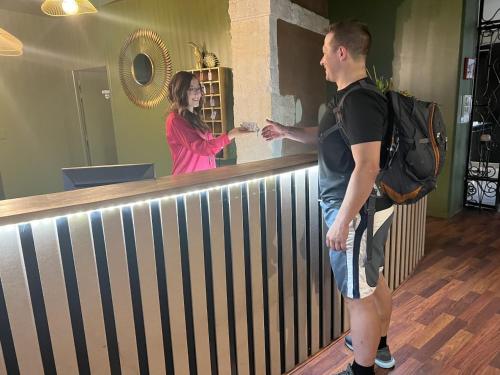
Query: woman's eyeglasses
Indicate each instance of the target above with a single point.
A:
(195, 90)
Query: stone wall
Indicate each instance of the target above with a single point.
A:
(255, 63)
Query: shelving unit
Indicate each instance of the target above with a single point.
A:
(218, 106)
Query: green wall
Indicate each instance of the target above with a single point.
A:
(426, 64)
(140, 133)
(419, 42)
(465, 87)
(39, 129)
(380, 17)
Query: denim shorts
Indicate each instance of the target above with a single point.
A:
(356, 274)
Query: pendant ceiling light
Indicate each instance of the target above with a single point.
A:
(67, 7)
(9, 44)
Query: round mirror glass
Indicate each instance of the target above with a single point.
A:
(142, 69)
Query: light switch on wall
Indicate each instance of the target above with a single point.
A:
(3, 133)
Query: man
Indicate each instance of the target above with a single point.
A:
(349, 161)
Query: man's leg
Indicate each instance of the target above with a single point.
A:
(365, 329)
(383, 302)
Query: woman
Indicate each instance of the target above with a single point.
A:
(192, 144)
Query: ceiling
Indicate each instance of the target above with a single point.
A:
(33, 6)
(22, 6)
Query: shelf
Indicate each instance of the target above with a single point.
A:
(208, 74)
(217, 86)
(205, 69)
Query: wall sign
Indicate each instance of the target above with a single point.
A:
(469, 67)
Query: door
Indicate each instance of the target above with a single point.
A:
(96, 120)
(482, 182)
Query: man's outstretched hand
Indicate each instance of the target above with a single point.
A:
(273, 130)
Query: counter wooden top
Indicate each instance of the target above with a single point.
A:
(14, 211)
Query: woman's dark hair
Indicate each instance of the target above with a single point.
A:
(178, 96)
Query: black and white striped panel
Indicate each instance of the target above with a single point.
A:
(314, 251)
(254, 258)
(20, 346)
(405, 244)
(233, 280)
(300, 256)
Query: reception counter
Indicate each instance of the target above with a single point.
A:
(222, 271)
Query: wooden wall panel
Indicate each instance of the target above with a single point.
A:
(272, 276)
(315, 251)
(300, 201)
(326, 282)
(174, 275)
(55, 296)
(146, 263)
(18, 303)
(286, 270)
(238, 270)
(89, 289)
(196, 257)
(219, 280)
(120, 286)
(3, 368)
(256, 262)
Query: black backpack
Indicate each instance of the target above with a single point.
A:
(416, 145)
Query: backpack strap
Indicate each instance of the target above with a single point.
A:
(369, 225)
(371, 204)
(361, 85)
(331, 106)
(338, 112)
(373, 88)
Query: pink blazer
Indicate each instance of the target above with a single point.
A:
(191, 149)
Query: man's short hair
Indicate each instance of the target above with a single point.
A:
(353, 35)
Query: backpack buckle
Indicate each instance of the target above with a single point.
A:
(337, 111)
(392, 151)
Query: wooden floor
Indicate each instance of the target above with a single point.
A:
(446, 317)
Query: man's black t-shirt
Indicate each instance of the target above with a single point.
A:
(365, 120)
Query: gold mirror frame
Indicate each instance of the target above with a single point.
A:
(149, 43)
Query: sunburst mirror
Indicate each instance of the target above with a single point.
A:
(145, 68)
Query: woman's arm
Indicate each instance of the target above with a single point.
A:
(180, 132)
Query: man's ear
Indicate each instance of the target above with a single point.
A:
(342, 51)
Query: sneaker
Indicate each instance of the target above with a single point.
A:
(384, 358)
(347, 371)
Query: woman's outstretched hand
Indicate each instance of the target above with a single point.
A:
(238, 133)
